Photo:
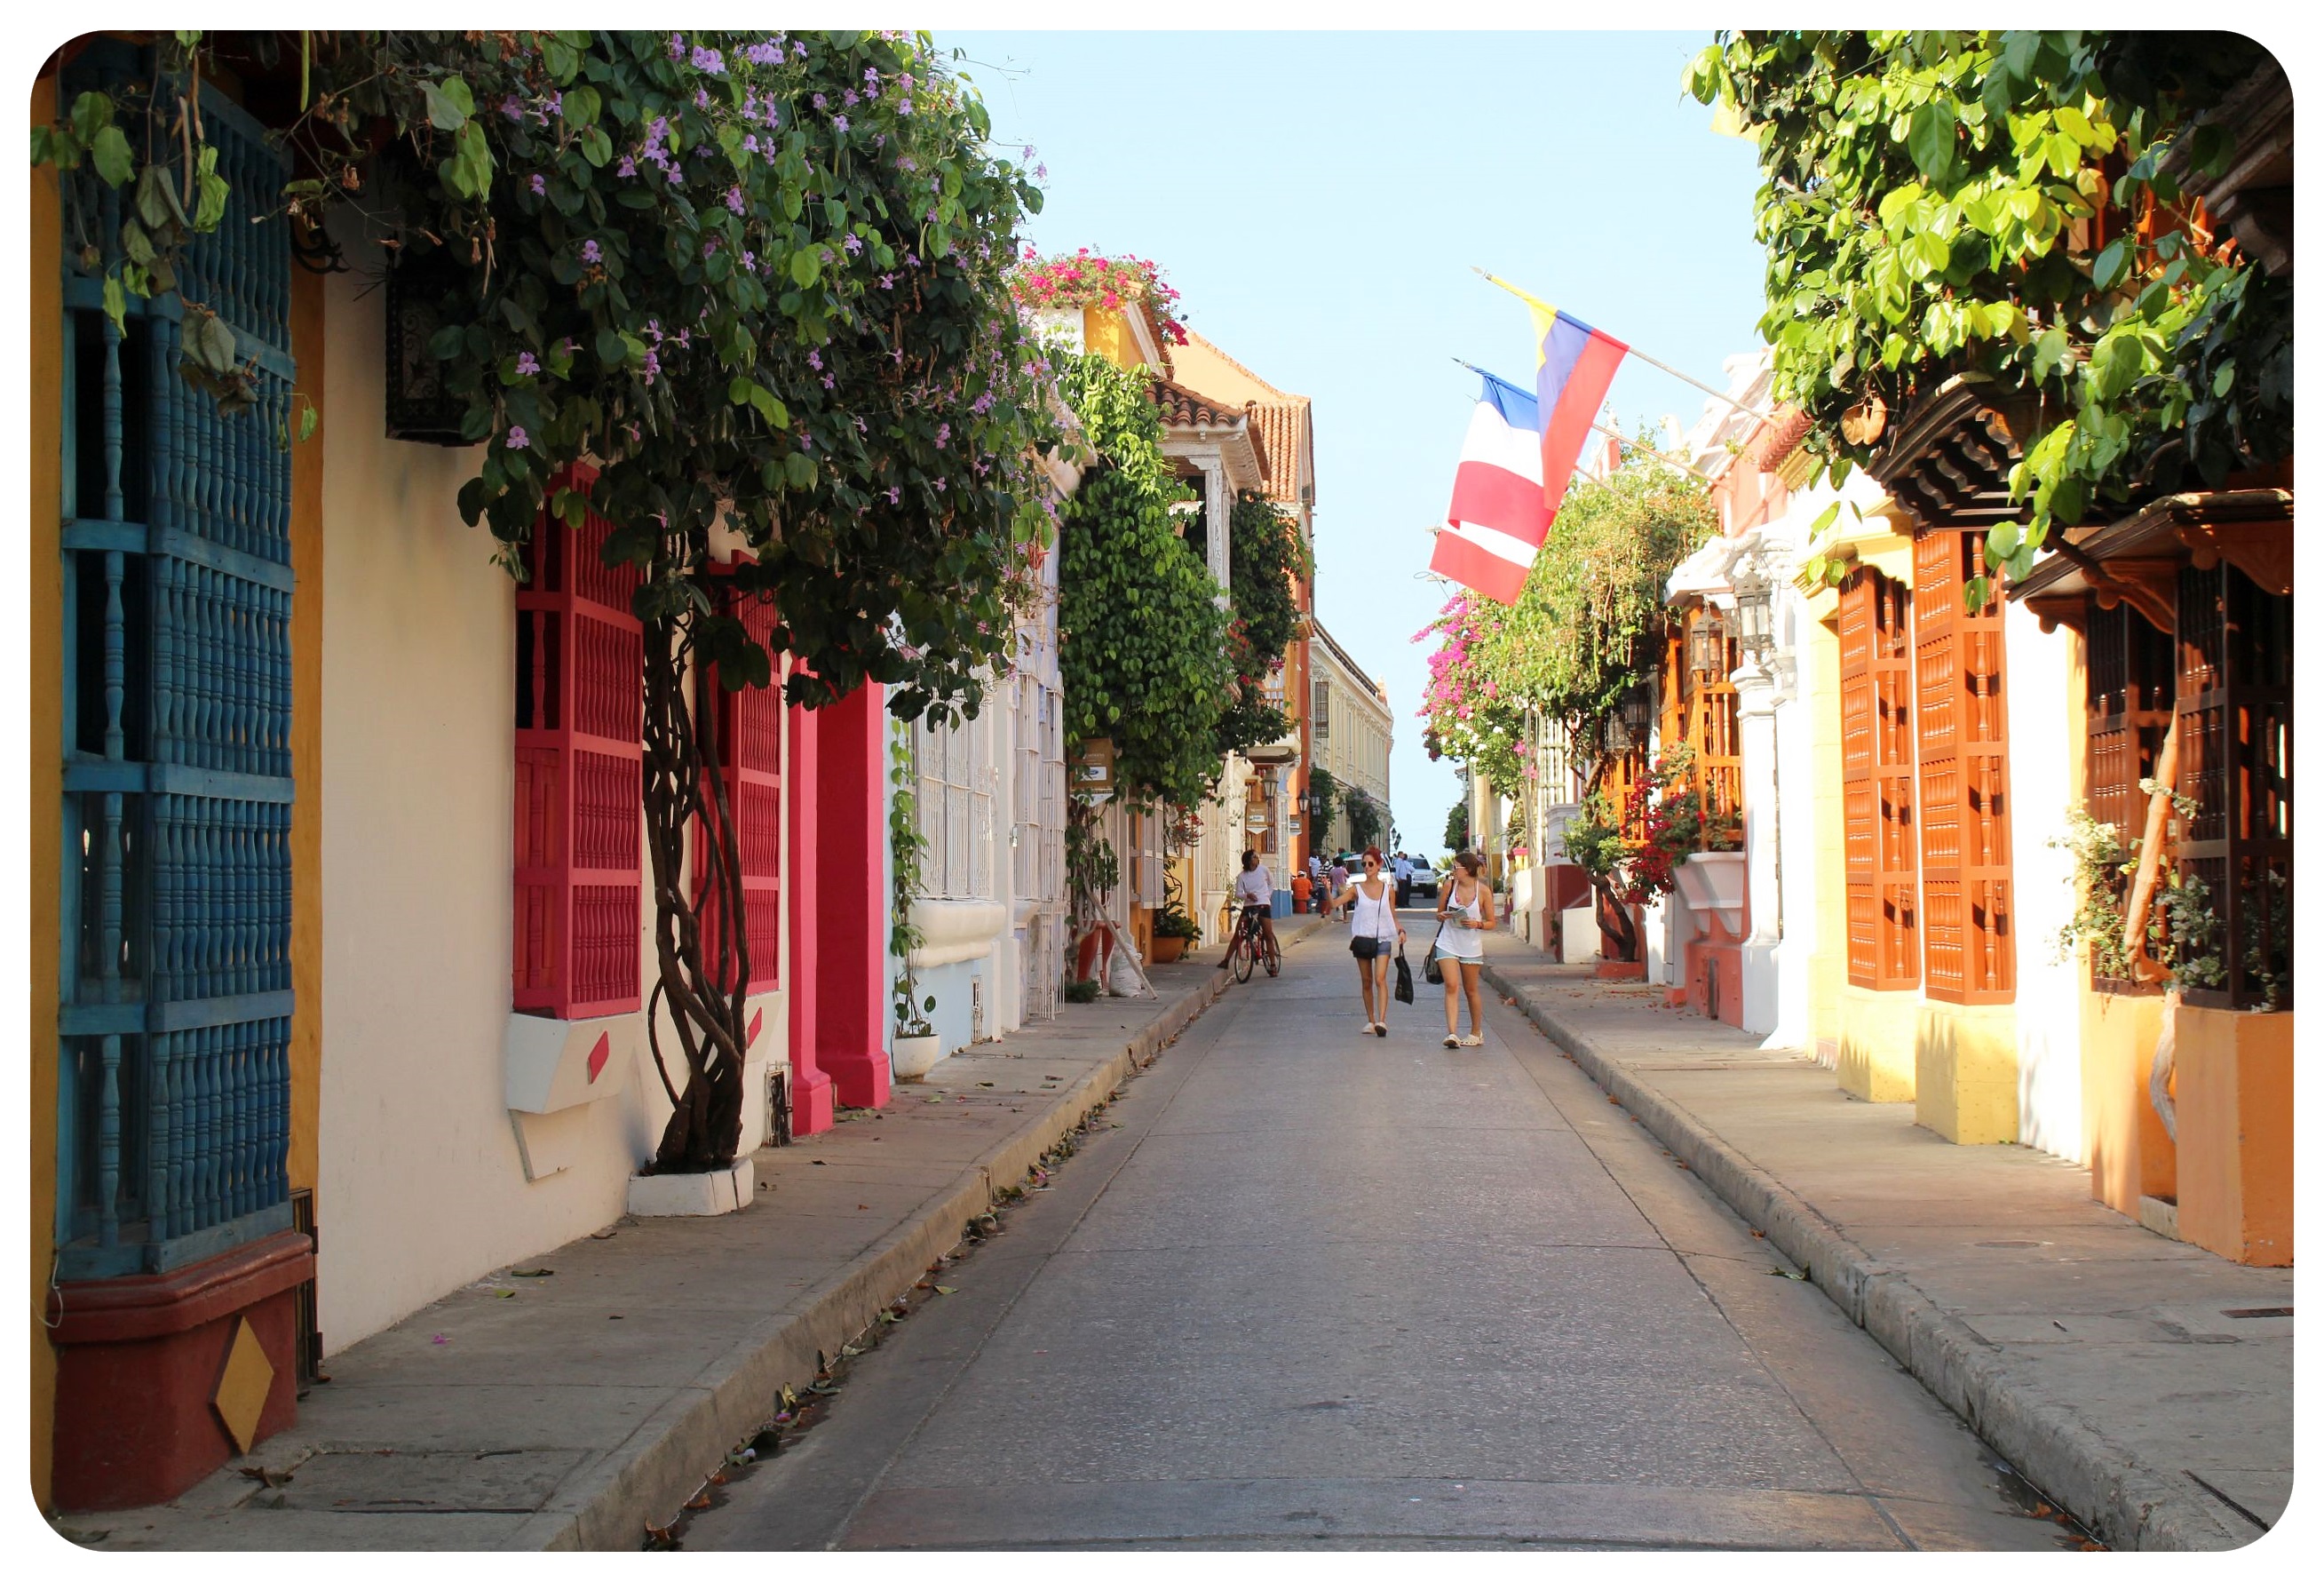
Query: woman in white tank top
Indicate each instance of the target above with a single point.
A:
(1464, 910)
(1373, 896)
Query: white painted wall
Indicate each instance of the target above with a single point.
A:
(421, 1186)
(2042, 685)
(1795, 810)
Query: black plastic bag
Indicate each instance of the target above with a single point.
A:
(1402, 978)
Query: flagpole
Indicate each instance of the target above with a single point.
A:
(1615, 434)
(1748, 412)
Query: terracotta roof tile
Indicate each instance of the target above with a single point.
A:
(1184, 408)
(1288, 428)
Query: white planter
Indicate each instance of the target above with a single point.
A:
(720, 1191)
(1712, 880)
(912, 1057)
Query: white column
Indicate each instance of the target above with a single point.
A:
(1754, 707)
(1218, 511)
(1796, 835)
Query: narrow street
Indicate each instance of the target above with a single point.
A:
(1307, 1288)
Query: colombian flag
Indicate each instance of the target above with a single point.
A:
(1574, 366)
(1498, 518)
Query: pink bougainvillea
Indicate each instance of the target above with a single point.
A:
(1083, 279)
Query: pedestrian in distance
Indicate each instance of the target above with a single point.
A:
(1339, 882)
(1464, 910)
(1403, 880)
(1372, 936)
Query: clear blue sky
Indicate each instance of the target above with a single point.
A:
(1318, 200)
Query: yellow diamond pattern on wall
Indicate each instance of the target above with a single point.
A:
(241, 1398)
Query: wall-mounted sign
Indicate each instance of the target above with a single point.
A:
(1093, 769)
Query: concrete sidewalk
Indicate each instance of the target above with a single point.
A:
(2144, 1385)
(574, 1400)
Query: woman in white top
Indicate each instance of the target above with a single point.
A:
(1374, 927)
(1464, 910)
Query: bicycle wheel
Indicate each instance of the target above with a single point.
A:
(1244, 957)
(1274, 959)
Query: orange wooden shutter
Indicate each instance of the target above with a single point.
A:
(1877, 781)
(1968, 952)
(1714, 730)
(2234, 702)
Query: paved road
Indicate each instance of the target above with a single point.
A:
(1325, 1291)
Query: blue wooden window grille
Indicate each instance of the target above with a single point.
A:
(174, 1024)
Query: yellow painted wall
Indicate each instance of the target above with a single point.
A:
(1108, 335)
(2235, 1134)
(307, 740)
(2131, 1155)
(1965, 1071)
(44, 679)
(1877, 1040)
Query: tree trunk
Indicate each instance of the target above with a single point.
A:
(699, 980)
(1614, 921)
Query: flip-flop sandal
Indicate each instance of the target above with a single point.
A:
(1474, 1040)
(1451, 1042)
(1381, 1027)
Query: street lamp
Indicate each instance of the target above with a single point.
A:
(1755, 611)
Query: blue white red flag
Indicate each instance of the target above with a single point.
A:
(1499, 515)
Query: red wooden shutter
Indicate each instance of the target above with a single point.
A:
(750, 764)
(1877, 783)
(579, 703)
(1968, 950)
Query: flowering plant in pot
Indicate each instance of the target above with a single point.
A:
(1173, 928)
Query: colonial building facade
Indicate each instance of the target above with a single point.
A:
(338, 933)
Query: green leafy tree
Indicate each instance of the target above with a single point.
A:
(1324, 787)
(756, 279)
(1969, 203)
(1456, 826)
(1592, 616)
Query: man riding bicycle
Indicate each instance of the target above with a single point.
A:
(1255, 888)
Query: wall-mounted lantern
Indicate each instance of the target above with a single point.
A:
(421, 405)
(1755, 611)
(1639, 705)
(1706, 646)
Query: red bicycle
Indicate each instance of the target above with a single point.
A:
(1252, 944)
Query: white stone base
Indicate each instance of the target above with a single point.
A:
(712, 1192)
(1579, 925)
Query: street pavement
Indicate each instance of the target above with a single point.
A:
(1306, 1288)
(2143, 1383)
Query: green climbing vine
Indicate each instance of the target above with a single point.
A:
(1143, 645)
(1947, 203)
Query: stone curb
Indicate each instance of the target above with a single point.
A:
(649, 1476)
(2127, 1503)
